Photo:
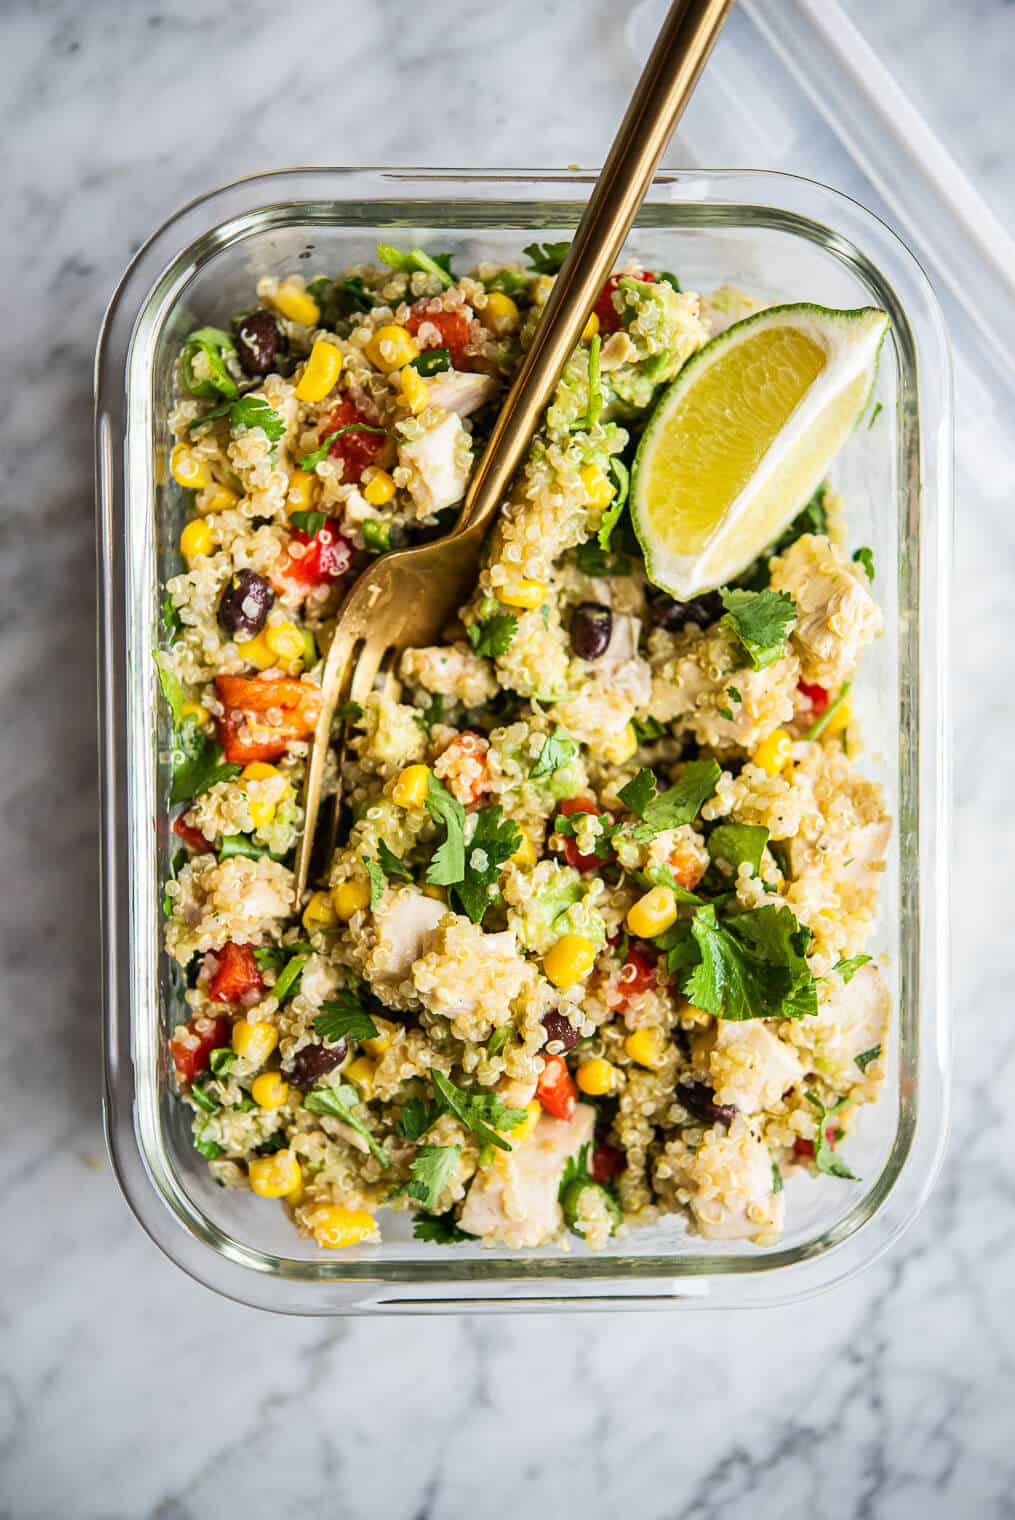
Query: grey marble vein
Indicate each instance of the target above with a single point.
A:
(125, 1389)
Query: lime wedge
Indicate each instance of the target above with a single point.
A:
(742, 437)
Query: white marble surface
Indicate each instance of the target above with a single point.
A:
(125, 1389)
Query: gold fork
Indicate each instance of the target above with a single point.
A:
(406, 599)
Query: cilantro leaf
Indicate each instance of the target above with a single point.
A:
(546, 258)
(865, 557)
(592, 559)
(558, 749)
(825, 1158)
(611, 517)
(678, 805)
(378, 881)
(847, 968)
(390, 863)
(196, 761)
(309, 462)
(430, 715)
(477, 1111)
(432, 361)
(417, 1117)
(493, 635)
(343, 1017)
(865, 1057)
(416, 259)
(432, 1169)
(290, 976)
(649, 730)
(495, 1044)
(448, 864)
(494, 842)
(308, 522)
(170, 620)
(439, 1229)
(247, 412)
(752, 965)
(339, 1103)
(733, 843)
(509, 282)
(813, 519)
(761, 621)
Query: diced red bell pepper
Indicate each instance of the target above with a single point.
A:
(192, 838)
(607, 1161)
(263, 714)
(454, 334)
(816, 695)
(355, 450)
(235, 974)
(191, 1050)
(556, 1090)
(637, 974)
(609, 317)
(803, 1149)
(572, 854)
(315, 560)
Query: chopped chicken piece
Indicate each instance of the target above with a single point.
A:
(450, 670)
(851, 1020)
(751, 1067)
(405, 924)
(613, 688)
(836, 614)
(438, 459)
(461, 391)
(731, 1175)
(699, 678)
(470, 977)
(515, 1199)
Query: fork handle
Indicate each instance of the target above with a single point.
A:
(669, 77)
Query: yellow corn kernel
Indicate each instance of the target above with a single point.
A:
(412, 787)
(773, 753)
(189, 469)
(285, 641)
(332, 1225)
(262, 809)
(599, 488)
(414, 389)
(500, 314)
(840, 719)
(590, 329)
(539, 289)
(304, 490)
(524, 593)
(259, 770)
(256, 652)
(652, 914)
(391, 347)
(361, 1072)
(350, 897)
(196, 540)
(525, 855)
(379, 1044)
(646, 1047)
(616, 751)
(216, 498)
(296, 304)
(269, 1090)
(197, 711)
(321, 371)
(379, 489)
(254, 1042)
(595, 1077)
(277, 1176)
(523, 1131)
(319, 913)
(570, 960)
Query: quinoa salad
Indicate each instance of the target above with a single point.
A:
(590, 950)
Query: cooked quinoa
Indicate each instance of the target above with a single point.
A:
(591, 949)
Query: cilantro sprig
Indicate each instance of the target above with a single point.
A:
(546, 258)
(760, 621)
(431, 1169)
(492, 636)
(479, 1112)
(448, 864)
(558, 750)
(196, 761)
(825, 1157)
(343, 1017)
(731, 844)
(678, 805)
(495, 840)
(751, 965)
(339, 1103)
(245, 413)
(849, 966)
(309, 462)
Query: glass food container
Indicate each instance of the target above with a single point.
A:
(781, 237)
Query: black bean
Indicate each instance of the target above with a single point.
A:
(560, 1030)
(245, 603)
(699, 1099)
(591, 627)
(665, 612)
(259, 342)
(315, 1061)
